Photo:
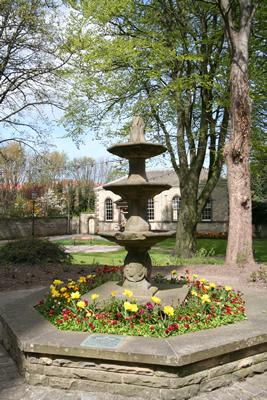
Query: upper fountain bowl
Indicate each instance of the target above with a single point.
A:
(141, 150)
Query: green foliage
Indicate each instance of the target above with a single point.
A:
(166, 61)
(33, 251)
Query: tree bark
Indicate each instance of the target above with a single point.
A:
(185, 244)
(239, 247)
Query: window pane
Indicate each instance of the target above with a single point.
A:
(207, 211)
(175, 208)
(150, 209)
(108, 210)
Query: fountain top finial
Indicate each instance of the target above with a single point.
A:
(137, 133)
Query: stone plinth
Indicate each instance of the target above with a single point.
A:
(138, 367)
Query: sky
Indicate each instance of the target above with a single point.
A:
(90, 147)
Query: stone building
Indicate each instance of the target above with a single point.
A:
(163, 209)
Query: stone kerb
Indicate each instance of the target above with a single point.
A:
(174, 368)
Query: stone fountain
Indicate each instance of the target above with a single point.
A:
(137, 238)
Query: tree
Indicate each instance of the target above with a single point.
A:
(12, 164)
(48, 168)
(30, 58)
(238, 16)
(165, 60)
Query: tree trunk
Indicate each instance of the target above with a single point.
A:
(239, 246)
(185, 245)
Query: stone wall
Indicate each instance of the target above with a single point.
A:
(14, 228)
(148, 381)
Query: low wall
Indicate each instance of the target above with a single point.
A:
(14, 228)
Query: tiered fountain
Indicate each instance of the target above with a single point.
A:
(137, 237)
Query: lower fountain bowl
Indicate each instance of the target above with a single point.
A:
(145, 239)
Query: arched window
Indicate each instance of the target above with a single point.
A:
(150, 209)
(207, 211)
(108, 210)
(175, 208)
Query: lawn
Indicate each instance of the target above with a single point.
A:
(210, 251)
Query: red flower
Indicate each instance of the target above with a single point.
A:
(151, 328)
(187, 326)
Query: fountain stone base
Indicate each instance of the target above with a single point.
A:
(137, 263)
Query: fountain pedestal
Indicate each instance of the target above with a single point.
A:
(137, 237)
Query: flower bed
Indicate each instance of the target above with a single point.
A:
(206, 306)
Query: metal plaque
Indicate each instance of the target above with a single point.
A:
(102, 341)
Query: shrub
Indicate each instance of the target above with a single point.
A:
(33, 251)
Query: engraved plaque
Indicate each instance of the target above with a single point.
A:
(102, 341)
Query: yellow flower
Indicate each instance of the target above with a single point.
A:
(57, 282)
(206, 287)
(114, 293)
(174, 272)
(228, 288)
(203, 280)
(169, 310)
(55, 294)
(156, 300)
(130, 307)
(75, 295)
(90, 276)
(52, 287)
(195, 276)
(63, 289)
(89, 313)
(134, 308)
(82, 279)
(213, 285)
(127, 293)
(81, 304)
(193, 292)
(205, 299)
(127, 305)
(94, 296)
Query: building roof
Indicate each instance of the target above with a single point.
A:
(166, 176)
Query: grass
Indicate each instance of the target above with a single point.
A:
(158, 258)
(85, 242)
(210, 251)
